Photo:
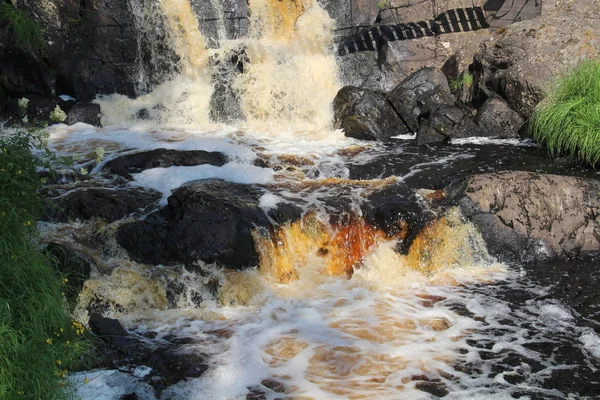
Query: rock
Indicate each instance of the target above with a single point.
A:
(366, 114)
(497, 119)
(448, 122)
(112, 332)
(162, 158)
(88, 113)
(396, 211)
(522, 62)
(209, 220)
(109, 204)
(525, 216)
(419, 94)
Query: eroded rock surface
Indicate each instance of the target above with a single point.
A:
(525, 215)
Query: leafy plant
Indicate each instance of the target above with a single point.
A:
(39, 342)
(464, 80)
(27, 31)
(568, 120)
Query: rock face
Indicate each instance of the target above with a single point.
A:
(366, 114)
(162, 158)
(210, 220)
(526, 58)
(525, 216)
(110, 204)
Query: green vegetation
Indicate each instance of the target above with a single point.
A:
(39, 342)
(464, 80)
(568, 120)
(27, 31)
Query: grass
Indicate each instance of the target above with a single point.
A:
(568, 120)
(39, 343)
(26, 30)
(464, 80)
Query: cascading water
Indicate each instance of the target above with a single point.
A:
(289, 77)
(342, 303)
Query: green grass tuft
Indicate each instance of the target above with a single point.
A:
(39, 343)
(27, 31)
(464, 80)
(568, 120)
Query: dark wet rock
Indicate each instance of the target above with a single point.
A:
(88, 113)
(74, 265)
(209, 220)
(162, 158)
(112, 332)
(109, 204)
(523, 61)
(396, 211)
(447, 122)
(420, 94)
(524, 215)
(366, 114)
(437, 389)
(497, 119)
(169, 364)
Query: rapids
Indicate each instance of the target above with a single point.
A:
(332, 310)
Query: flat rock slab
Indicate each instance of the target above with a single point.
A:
(525, 216)
(162, 158)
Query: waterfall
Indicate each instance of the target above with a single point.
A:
(283, 75)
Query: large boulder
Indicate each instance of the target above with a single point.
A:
(366, 114)
(523, 61)
(419, 94)
(525, 216)
(209, 220)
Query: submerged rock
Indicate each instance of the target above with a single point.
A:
(110, 204)
(162, 158)
(366, 114)
(524, 216)
(209, 220)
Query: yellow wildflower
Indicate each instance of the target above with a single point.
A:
(49, 341)
(59, 362)
(86, 381)
(19, 172)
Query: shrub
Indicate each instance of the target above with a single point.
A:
(27, 31)
(568, 120)
(39, 342)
